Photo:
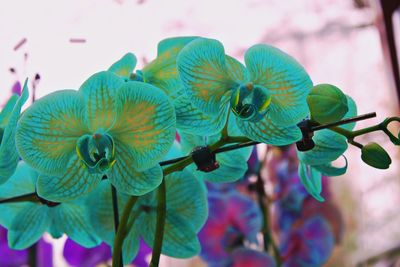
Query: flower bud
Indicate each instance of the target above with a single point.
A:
(327, 103)
(375, 156)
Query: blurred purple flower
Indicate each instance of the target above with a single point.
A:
(244, 257)
(17, 258)
(309, 244)
(307, 229)
(232, 219)
(77, 255)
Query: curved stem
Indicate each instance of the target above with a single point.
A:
(350, 135)
(32, 255)
(116, 218)
(264, 203)
(159, 235)
(119, 238)
(178, 166)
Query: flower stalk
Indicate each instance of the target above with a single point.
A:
(161, 215)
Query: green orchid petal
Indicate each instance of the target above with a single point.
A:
(202, 69)
(101, 211)
(101, 218)
(311, 179)
(100, 92)
(173, 45)
(48, 130)
(20, 183)
(187, 196)
(233, 165)
(127, 179)
(286, 80)
(7, 110)
(8, 152)
(28, 226)
(236, 70)
(350, 113)
(124, 67)
(174, 152)
(329, 170)
(162, 72)
(130, 247)
(269, 132)
(192, 120)
(145, 125)
(190, 141)
(328, 147)
(54, 231)
(76, 181)
(180, 240)
(72, 218)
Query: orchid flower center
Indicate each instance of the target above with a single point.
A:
(250, 102)
(96, 151)
(138, 76)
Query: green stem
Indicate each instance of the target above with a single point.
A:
(180, 165)
(131, 221)
(344, 132)
(264, 202)
(119, 238)
(161, 214)
(371, 129)
(114, 197)
(32, 255)
(350, 135)
(237, 139)
(115, 208)
(32, 197)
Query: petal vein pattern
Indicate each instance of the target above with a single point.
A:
(145, 124)
(47, 132)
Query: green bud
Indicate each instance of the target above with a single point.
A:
(375, 156)
(327, 103)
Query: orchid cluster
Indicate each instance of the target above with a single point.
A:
(125, 158)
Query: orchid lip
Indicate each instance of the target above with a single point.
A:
(96, 151)
(250, 102)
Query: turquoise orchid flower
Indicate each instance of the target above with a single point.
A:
(186, 206)
(8, 123)
(329, 146)
(107, 128)
(162, 72)
(268, 97)
(232, 164)
(27, 221)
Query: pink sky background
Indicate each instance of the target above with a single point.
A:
(334, 41)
